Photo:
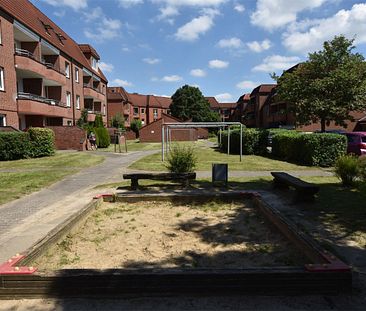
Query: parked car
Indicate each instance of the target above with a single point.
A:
(356, 143)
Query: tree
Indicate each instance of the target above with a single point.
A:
(98, 121)
(135, 126)
(118, 121)
(83, 120)
(328, 86)
(189, 103)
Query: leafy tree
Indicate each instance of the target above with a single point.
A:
(328, 86)
(118, 121)
(135, 126)
(83, 120)
(189, 103)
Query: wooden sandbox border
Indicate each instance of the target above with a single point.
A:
(326, 275)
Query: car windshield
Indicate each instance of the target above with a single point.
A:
(363, 139)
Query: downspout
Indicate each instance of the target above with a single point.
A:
(73, 92)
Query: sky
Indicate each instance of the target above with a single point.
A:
(224, 47)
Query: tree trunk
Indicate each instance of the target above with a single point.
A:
(322, 123)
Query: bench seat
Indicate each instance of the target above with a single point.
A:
(185, 177)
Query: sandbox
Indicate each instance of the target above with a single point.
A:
(158, 245)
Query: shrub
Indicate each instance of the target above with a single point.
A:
(316, 149)
(118, 121)
(254, 141)
(135, 126)
(103, 138)
(14, 145)
(98, 121)
(362, 168)
(42, 142)
(181, 159)
(346, 168)
(83, 120)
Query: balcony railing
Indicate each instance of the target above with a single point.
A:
(49, 101)
(22, 52)
(95, 111)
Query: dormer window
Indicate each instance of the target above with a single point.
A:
(47, 28)
(94, 63)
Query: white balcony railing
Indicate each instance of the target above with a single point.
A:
(49, 101)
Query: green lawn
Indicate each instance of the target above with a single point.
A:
(21, 177)
(206, 156)
(133, 145)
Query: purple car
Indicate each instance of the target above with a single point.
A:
(356, 143)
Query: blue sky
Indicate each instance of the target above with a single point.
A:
(225, 47)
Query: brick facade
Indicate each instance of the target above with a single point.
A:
(69, 137)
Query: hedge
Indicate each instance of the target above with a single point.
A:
(37, 142)
(316, 149)
(103, 138)
(254, 141)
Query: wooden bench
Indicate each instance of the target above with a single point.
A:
(184, 177)
(304, 191)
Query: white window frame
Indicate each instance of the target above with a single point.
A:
(2, 80)
(3, 116)
(94, 63)
(68, 99)
(67, 70)
(77, 75)
(77, 102)
(142, 110)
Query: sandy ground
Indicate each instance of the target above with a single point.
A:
(168, 235)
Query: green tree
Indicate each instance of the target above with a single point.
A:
(135, 126)
(118, 121)
(189, 103)
(83, 120)
(98, 121)
(326, 87)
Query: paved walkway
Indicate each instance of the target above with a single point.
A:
(26, 220)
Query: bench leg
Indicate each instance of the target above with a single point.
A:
(134, 183)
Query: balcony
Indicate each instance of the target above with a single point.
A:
(91, 92)
(25, 60)
(39, 105)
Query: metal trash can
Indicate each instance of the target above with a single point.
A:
(220, 172)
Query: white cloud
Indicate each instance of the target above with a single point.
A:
(74, 4)
(106, 28)
(197, 26)
(166, 13)
(277, 62)
(129, 3)
(197, 3)
(234, 43)
(106, 67)
(247, 85)
(198, 73)
(126, 49)
(120, 82)
(219, 64)
(258, 47)
(310, 35)
(224, 97)
(271, 14)
(239, 7)
(151, 61)
(60, 14)
(172, 78)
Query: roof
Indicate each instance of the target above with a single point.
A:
(165, 102)
(213, 102)
(263, 88)
(87, 48)
(228, 105)
(137, 100)
(244, 97)
(116, 94)
(153, 102)
(26, 13)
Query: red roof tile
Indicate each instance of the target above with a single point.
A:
(165, 102)
(213, 102)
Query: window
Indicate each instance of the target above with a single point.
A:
(67, 70)
(76, 74)
(77, 102)
(94, 63)
(142, 110)
(155, 112)
(2, 120)
(69, 123)
(2, 84)
(135, 110)
(68, 99)
(1, 38)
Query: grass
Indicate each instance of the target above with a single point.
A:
(206, 156)
(133, 145)
(22, 177)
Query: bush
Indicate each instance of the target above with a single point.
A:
(135, 126)
(181, 159)
(118, 121)
(103, 138)
(362, 168)
(98, 121)
(42, 142)
(346, 168)
(254, 141)
(14, 145)
(316, 149)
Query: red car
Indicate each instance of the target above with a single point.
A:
(356, 143)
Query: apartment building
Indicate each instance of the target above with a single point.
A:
(147, 108)
(46, 78)
(225, 110)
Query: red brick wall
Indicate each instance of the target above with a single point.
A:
(69, 137)
(202, 133)
(8, 105)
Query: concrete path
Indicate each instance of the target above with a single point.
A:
(26, 220)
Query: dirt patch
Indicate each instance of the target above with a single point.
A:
(170, 235)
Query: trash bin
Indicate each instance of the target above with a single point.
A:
(220, 172)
